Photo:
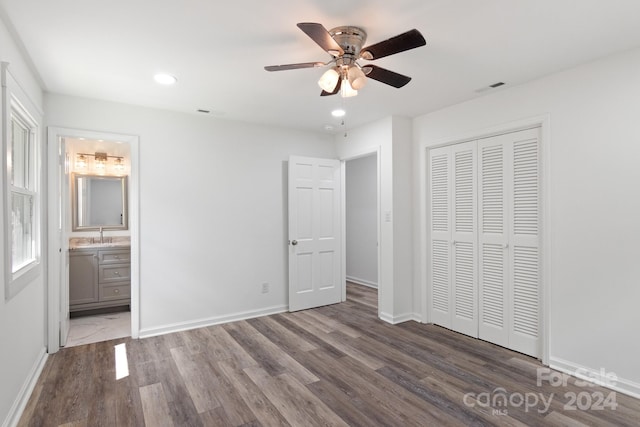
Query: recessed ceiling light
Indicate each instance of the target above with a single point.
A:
(328, 127)
(338, 113)
(165, 79)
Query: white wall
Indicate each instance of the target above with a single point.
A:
(594, 203)
(362, 220)
(402, 219)
(212, 208)
(22, 318)
(391, 137)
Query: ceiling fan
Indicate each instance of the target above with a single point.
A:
(344, 44)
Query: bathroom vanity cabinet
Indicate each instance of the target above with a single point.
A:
(99, 278)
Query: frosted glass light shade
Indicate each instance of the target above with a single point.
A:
(329, 80)
(346, 91)
(357, 79)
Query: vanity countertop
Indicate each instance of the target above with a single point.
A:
(92, 243)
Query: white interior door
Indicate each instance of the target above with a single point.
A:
(509, 227)
(454, 241)
(493, 241)
(440, 235)
(58, 244)
(484, 260)
(524, 239)
(64, 246)
(315, 243)
(464, 261)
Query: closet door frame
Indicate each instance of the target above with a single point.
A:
(545, 243)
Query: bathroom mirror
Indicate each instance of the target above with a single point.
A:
(99, 201)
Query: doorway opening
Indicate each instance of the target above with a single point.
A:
(99, 240)
(93, 237)
(361, 230)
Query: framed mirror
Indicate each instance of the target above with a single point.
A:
(99, 201)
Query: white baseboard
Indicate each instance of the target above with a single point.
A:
(184, 326)
(13, 417)
(622, 385)
(362, 282)
(394, 320)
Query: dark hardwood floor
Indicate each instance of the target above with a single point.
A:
(332, 366)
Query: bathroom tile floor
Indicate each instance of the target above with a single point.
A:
(101, 327)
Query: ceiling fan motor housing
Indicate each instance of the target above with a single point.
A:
(351, 39)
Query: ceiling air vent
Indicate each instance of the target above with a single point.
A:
(493, 86)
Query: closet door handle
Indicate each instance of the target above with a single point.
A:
(505, 246)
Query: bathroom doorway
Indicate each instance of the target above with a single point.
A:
(99, 240)
(93, 237)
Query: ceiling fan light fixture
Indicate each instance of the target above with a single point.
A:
(345, 45)
(346, 91)
(357, 78)
(329, 80)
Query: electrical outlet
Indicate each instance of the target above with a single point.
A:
(265, 288)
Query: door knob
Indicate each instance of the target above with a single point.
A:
(294, 242)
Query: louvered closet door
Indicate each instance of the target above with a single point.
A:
(493, 241)
(524, 240)
(484, 244)
(508, 197)
(439, 261)
(464, 308)
(453, 242)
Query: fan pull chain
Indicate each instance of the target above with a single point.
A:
(343, 124)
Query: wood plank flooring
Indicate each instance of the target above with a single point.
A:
(332, 366)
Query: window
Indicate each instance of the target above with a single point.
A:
(23, 195)
(22, 202)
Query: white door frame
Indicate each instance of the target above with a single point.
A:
(343, 219)
(53, 274)
(543, 122)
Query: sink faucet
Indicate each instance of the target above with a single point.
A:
(101, 236)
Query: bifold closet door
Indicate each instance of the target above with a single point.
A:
(524, 241)
(493, 241)
(453, 242)
(483, 242)
(439, 264)
(508, 197)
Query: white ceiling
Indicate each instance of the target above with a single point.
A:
(110, 50)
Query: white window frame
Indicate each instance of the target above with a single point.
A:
(16, 103)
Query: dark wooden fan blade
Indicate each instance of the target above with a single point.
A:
(385, 76)
(405, 41)
(335, 90)
(294, 66)
(320, 35)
